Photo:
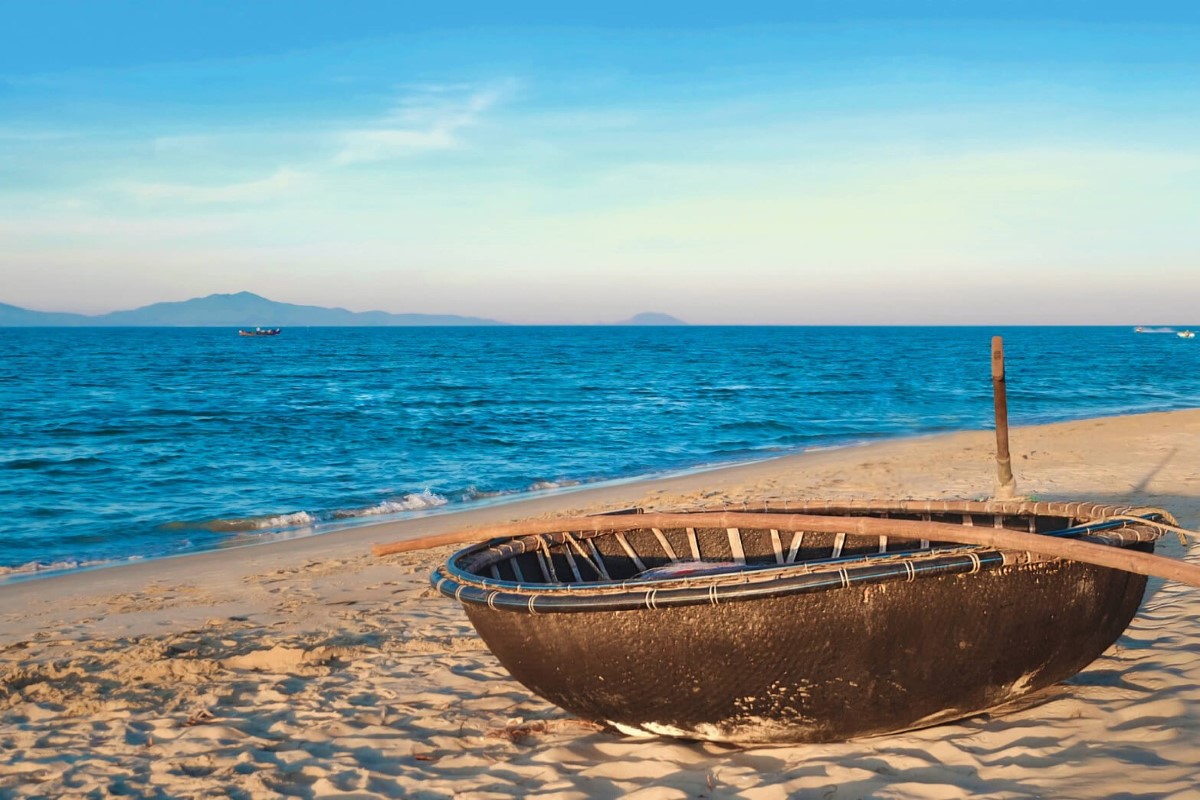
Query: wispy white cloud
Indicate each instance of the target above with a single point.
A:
(431, 119)
(280, 183)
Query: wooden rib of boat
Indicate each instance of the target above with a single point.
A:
(765, 634)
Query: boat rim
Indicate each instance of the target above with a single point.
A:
(762, 580)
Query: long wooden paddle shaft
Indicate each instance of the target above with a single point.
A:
(1007, 485)
(1045, 546)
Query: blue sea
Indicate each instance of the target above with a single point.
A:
(119, 444)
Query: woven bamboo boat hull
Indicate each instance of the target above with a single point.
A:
(841, 641)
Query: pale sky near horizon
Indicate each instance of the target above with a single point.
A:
(897, 163)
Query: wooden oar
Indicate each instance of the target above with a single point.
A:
(1045, 546)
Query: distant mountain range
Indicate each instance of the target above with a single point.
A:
(246, 309)
(14, 316)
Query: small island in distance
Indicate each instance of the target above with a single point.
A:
(651, 318)
(247, 310)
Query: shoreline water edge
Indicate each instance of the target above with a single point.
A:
(425, 506)
(437, 517)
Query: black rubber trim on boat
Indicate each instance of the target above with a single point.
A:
(452, 581)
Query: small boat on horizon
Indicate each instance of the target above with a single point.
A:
(261, 332)
(773, 627)
(1186, 335)
(1144, 329)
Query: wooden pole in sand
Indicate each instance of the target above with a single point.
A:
(1006, 484)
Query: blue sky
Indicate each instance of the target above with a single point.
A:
(890, 163)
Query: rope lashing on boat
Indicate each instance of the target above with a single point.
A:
(1045, 546)
(1182, 533)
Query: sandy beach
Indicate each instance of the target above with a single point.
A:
(310, 668)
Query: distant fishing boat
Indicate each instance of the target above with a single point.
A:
(1186, 335)
(261, 332)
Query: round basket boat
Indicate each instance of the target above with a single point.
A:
(772, 634)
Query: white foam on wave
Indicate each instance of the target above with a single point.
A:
(33, 567)
(472, 493)
(410, 502)
(541, 486)
(293, 520)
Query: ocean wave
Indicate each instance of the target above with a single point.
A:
(471, 493)
(542, 486)
(303, 519)
(28, 463)
(34, 567)
(759, 426)
(294, 519)
(415, 501)
(48, 463)
(74, 431)
(410, 502)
